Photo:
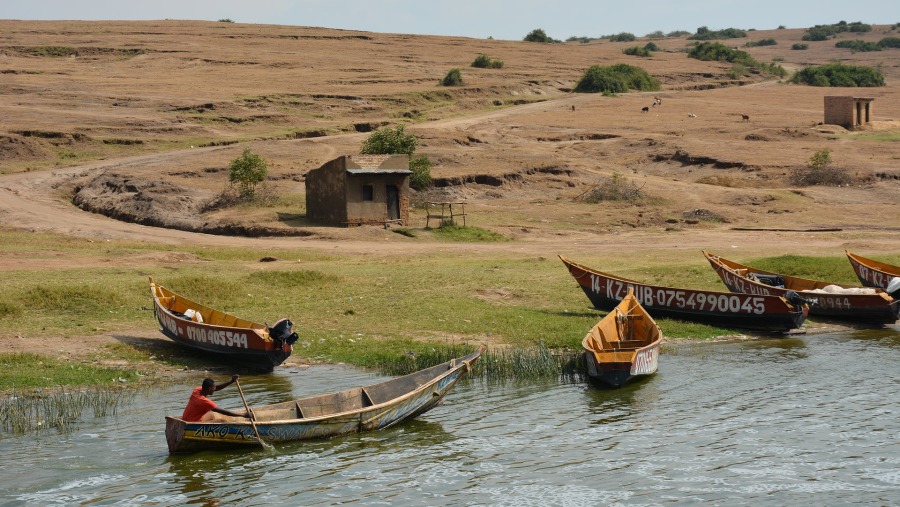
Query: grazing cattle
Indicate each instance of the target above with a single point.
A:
(745, 117)
(645, 109)
(657, 101)
(573, 107)
(692, 115)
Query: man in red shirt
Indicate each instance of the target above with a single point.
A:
(201, 408)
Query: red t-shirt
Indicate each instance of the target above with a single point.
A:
(197, 406)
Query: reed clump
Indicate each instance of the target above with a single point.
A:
(58, 409)
(502, 364)
(528, 363)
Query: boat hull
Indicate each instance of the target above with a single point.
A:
(617, 374)
(245, 344)
(876, 308)
(873, 273)
(769, 314)
(431, 385)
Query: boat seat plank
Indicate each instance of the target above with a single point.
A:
(630, 344)
(331, 404)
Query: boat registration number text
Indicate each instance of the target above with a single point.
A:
(674, 298)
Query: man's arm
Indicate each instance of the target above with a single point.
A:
(230, 413)
(223, 385)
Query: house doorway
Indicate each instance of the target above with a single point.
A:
(393, 202)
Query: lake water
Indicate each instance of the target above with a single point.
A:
(811, 420)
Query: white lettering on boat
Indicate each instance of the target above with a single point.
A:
(674, 298)
(877, 278)
(221, 337)
(645, 361)
(170, 323)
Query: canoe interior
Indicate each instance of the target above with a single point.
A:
(178, 305)
(788, 282)
(618, 337)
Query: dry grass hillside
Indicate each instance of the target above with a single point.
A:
(139, 121)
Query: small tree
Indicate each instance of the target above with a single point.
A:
(388, 141)
(820, 159)
(420, 178)
(247, 171)
(537, 35)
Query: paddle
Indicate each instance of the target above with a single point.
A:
(252, 422)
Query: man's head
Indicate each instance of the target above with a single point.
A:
(208, 387)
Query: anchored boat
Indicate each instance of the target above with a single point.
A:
(229, 338)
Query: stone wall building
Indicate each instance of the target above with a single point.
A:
(360, 189)
(848, 112)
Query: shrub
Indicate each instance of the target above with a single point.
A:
(622, 37)
(225, 20)
(618, 78)
(482, 61)
(678, 33)
(858, 45)
(651, 46)
(762, 42)
(637, 51)
(616, 188)
(537, 35)
(704, 33)
(838, 74)
(890, 42)
(247, 171)
(658, 34)
(737, 71)
(581, 39)
(716, 51)
(823, 32)
(800, 47)
(453, 78)
(485, 62)
(818, 171)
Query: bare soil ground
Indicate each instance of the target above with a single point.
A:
(125, 130)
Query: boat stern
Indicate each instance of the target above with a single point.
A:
(174, 433)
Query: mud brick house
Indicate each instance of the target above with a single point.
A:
(360, 190)
(848, 112)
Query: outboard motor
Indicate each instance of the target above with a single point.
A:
(893, 288)
(798, 300)
(282, 332)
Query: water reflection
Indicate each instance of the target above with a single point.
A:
(189, 476)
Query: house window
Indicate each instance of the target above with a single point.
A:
(368, 193)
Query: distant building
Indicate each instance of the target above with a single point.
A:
(360, 189)
(848, 112)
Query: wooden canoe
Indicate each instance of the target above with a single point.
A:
(623, 345)
(372, 407)
(873, 273)
(827, 299)
(771, 314)
(231, 339)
